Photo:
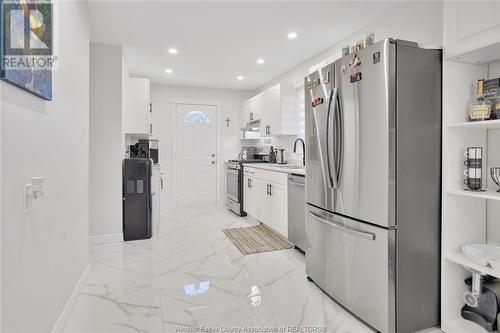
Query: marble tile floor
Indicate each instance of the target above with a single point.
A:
(191, 276)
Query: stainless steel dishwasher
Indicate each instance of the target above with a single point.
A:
(296, 211)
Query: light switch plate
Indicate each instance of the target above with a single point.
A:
(28, 199)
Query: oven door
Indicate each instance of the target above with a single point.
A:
(233, 184)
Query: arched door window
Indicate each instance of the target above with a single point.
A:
(196, 117)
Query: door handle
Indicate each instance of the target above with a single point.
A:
(333, 178)
(346, 229)
(324, 171)
(340, 139)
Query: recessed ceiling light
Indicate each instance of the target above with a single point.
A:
(260, 61)
(292, 35)
(240, 77)
(173, 50)
(168, 71)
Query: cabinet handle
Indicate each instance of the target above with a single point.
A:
(249, 181)
(251, 115)
(270, 189)
(151, 107)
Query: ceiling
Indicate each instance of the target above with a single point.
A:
(217, 41)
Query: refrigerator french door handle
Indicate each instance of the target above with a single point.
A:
(333, 175)
(325, 171)
(340, 139)
(351, 231)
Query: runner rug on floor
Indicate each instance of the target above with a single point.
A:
(256, 239)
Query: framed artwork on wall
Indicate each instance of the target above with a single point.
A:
(26, 45)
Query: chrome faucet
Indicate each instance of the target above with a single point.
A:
(303, 150)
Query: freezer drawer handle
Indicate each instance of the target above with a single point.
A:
(354, 232)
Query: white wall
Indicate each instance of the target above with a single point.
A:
(163, 118)
(106, 141)
(414, 21)
(45, 251)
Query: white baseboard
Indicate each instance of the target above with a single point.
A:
(63, 317)
(104, 239)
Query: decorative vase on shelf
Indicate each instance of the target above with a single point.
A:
(495, 175)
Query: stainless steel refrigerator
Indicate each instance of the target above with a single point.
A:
(373, 185)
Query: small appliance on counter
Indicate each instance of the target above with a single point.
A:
(137, 194)
(484, 307)
(145, 148)
(280, 159)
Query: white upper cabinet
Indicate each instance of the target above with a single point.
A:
(280, 111)
(276, 107)
(470, 25)
(138, 107)
(255, 108)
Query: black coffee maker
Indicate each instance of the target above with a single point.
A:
(145, 149)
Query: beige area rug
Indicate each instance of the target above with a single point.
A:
(256, 239)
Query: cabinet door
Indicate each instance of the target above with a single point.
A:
(470, 25)
(279, 208)
(274, 110)
(137, 115)
(266, 114)
(263, 202)
(244, 111)
(249, 199)
(254, 106)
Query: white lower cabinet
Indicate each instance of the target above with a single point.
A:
(278, 202)
(265, 198)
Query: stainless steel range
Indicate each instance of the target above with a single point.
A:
(234, 176)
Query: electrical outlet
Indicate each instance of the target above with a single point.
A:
(28, 198)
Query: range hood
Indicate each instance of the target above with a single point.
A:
(252, 126)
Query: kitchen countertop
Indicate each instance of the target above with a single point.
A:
(279, 168)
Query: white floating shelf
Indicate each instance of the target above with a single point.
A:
(486, 124)
(490, 194)
(459, 258)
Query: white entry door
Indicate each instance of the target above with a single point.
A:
(196, 157)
